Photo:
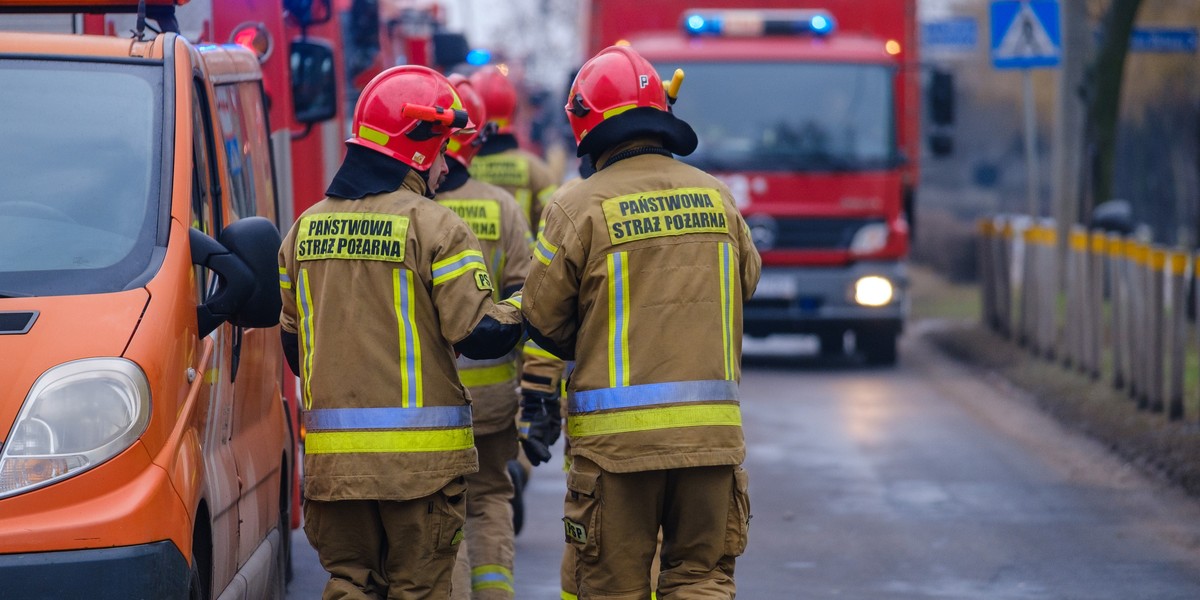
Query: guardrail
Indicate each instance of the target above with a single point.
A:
(1107, 305)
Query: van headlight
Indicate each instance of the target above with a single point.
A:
(78, 415)
(873, 290)
(869, 239)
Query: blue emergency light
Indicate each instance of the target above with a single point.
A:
(479, 56)
(753, 23)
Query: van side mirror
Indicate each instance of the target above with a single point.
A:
(314, 81)
(245, 262)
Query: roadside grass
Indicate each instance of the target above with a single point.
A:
(1170, 449)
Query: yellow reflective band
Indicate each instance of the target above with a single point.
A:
(727, 336)
(373, 135)
(412, 390)
(351, 236)
(618, 319)
(650, 419)
(544, 251)
(482, 215)
(307, 343)
(463, 262)
(662, 213)
(453, 145)
(285, 281)
(532, 349)
(347, 442)
(481, 376)
(513, 301)
(612, 112)
(504, 169)
(491, 577)
(568, 596)
(522, 197)
(546, 192)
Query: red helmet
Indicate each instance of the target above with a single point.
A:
(618, 95)
(499, 96)
(407, 113)
(464, 145)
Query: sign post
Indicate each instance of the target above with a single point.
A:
(1026, 35)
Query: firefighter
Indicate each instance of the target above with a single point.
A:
(530, 181)
(503, 233)
(639, 276)
(381, 287)
(501, 162)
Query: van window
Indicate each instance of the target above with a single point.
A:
(80, 159)
(244, 133)
(205, 217)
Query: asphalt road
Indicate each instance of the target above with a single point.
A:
(926, 481)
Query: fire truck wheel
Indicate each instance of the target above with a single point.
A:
(879, 348)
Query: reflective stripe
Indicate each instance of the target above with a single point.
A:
(546, 192)
(307, 343)
(568, 596)
(649, 419)
(412, 385)
(430, 417)
(423, 440)
(285, 282)
(544, 251)
(532, 349)
(488, 375)
(612, 112)
(727, 338)
(618, 319)
(467, 260)
(514, 300)
(492, 577)
(652, 394)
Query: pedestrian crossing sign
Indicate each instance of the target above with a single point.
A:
(1025, 34)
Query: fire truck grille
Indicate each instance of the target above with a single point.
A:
(816, 234)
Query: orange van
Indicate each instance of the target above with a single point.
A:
(144, 449)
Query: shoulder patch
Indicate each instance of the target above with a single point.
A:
(483, 281)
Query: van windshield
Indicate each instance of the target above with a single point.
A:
(80, 153)
(780, 116)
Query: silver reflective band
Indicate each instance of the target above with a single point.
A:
(321, 419)
(651, 394)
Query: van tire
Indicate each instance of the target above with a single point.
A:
(201, 573)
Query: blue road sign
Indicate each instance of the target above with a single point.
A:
(1175, 40)
(959, 34)
(1025, 34)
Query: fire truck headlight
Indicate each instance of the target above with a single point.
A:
(78, 415)
(869, 239)
(873, 290)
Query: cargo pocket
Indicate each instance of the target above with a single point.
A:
(447, 508)
(737, 528)
(581, 522)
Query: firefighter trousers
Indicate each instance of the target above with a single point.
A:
(393, 550)
(484, 570)
(613, 519)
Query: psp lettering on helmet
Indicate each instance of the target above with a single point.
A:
(661, 213)
(351, 236)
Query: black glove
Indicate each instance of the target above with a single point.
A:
(540, 425)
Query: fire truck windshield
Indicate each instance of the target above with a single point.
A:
(774, 116)
(80, 153)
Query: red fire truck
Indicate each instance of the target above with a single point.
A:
(808, 111)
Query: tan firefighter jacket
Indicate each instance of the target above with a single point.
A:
(503, 235)
(378, 290)
(642, 269)
(523, 175)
